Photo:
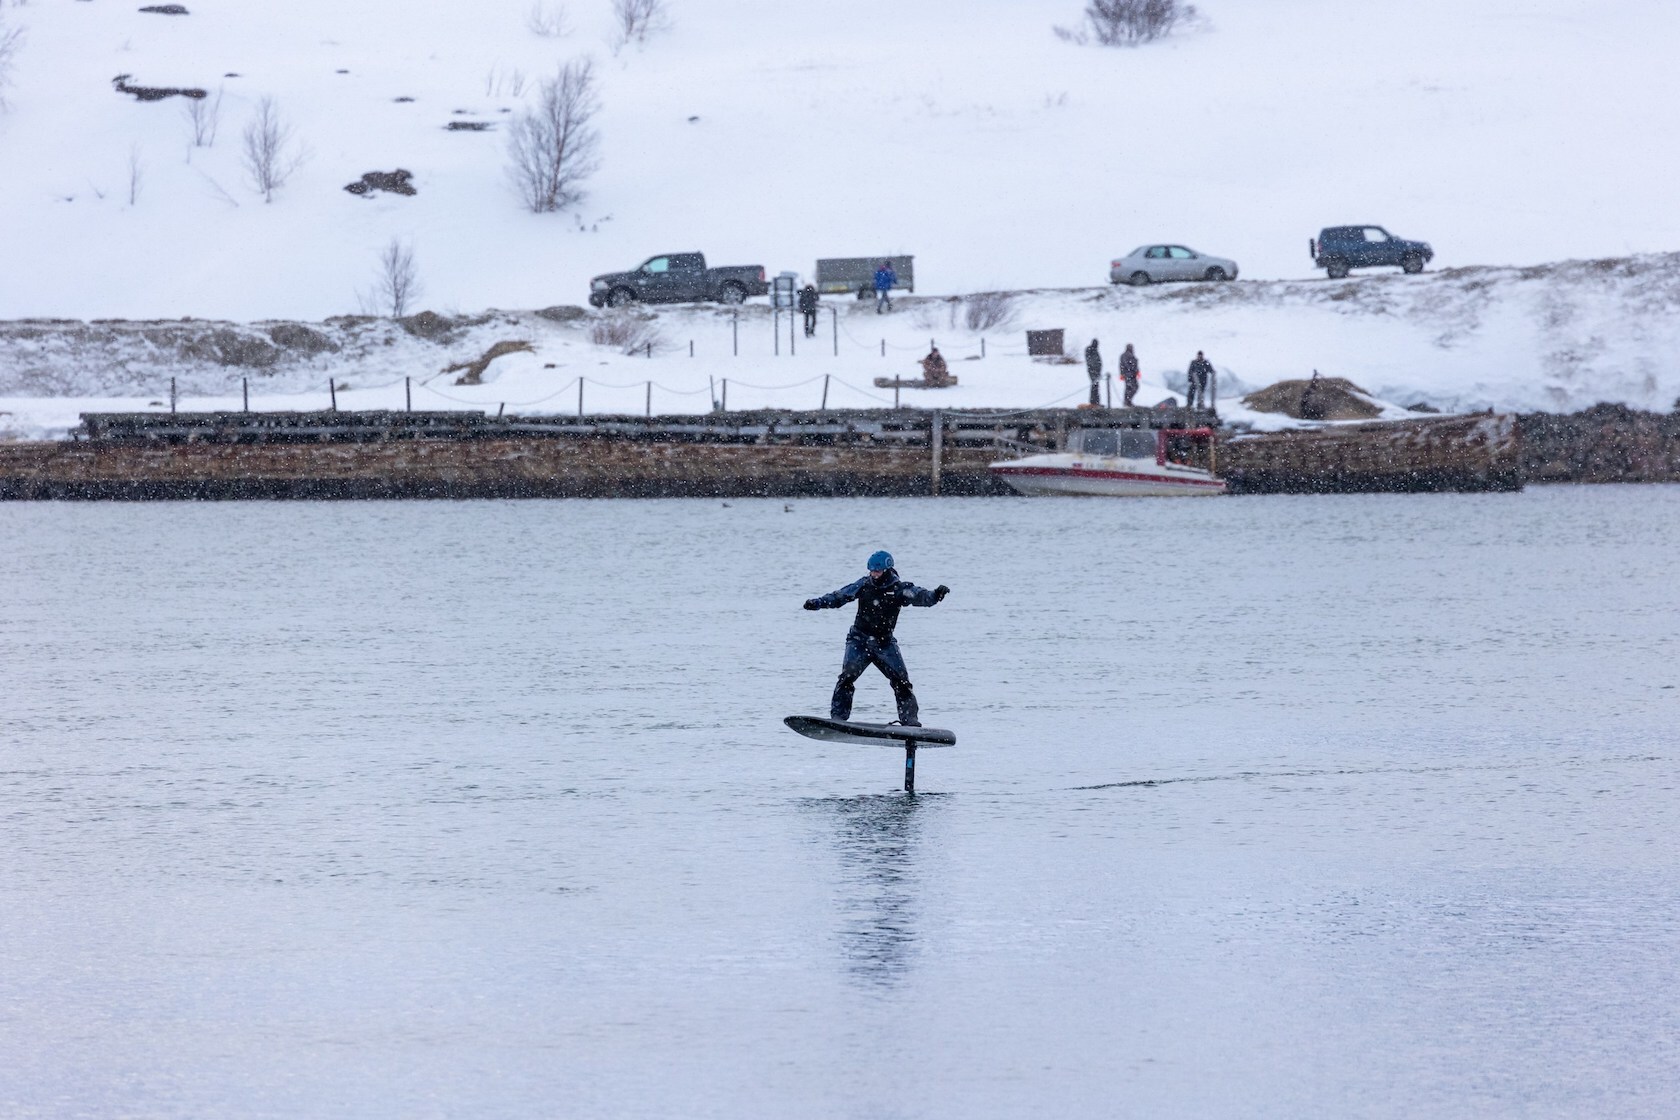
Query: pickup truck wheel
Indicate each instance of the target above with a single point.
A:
(620, 297)
(1336, 270)
(1411, 263)
(1140, 279)
(732, 293)
(1216, 274)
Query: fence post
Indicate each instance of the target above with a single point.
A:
(711, 392)
(895, 394)
(171, 396)
(408, 394)
(825, 393)
(245, 393)
(580, 394)
(791, 350)
(776, 331)
(332, 388)
(726, 394)
(982, 346)
(1108, 387)
(883, 348)
(691, 348)
(650, 395)
(834, 320)
(735, 332)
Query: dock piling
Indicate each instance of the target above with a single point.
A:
(936, 437)
(909, 766)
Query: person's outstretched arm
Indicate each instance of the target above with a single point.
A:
(836, 598)
(920, 596)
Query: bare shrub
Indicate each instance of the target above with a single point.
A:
(270, 151)
(396, 282)
(553, 148)
(1128, 23)
(11, 41)
(136, 173)
(625, 332)
(498, 81)
(635, 20)
(985, 311)
(547, 22)
(204, 117)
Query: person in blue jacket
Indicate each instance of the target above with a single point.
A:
(885, 278)
(870, 641)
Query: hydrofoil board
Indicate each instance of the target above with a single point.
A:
(870, 734)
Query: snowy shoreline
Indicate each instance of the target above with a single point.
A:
(1557, 338)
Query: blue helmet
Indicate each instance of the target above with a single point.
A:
(880, 561)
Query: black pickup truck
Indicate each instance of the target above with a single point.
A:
(677, 278)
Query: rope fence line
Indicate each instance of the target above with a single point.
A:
(648, 385)
(716, 388)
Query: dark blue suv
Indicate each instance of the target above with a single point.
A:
(1339, 248)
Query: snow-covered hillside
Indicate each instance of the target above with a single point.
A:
(1506, 132)
(963, 131)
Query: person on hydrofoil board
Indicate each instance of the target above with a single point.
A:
(870, 641)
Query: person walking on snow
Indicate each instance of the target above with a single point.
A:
(1129, 374)
(1200, 370)
(885, 278)
(870, 641)
(1093, 370)
(808, 308)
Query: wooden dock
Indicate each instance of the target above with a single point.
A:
(885, 452)
(472, 455)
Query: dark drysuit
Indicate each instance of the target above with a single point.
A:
(870, 641)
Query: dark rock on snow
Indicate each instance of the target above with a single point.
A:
(154, 93)
(397, 182)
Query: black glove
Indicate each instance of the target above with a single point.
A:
(940, 592)
(812, 605)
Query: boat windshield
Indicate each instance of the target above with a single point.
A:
(1127, 443)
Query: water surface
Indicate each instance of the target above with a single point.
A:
(1355, 806)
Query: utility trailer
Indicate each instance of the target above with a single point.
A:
(857, 274)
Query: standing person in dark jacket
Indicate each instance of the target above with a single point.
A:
(1093, 370)
(808, 308)
(885, 278)
(1200, 370)
(870, 641)
(1129, 374)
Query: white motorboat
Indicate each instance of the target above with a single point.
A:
(1122, 463)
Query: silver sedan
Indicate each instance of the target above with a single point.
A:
(1148, 263)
